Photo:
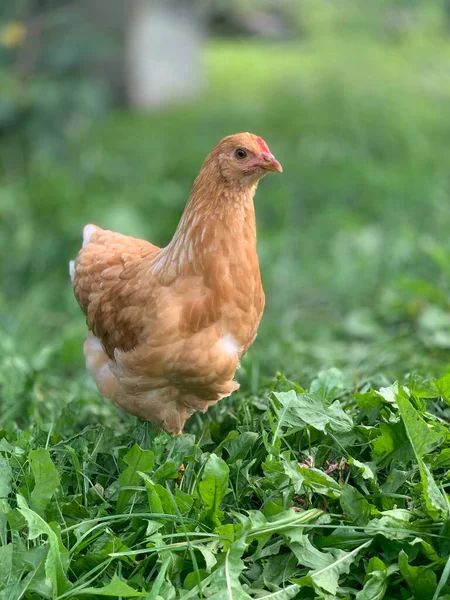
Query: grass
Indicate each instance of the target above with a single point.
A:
(327, 481)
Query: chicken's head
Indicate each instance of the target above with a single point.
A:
(244, 158)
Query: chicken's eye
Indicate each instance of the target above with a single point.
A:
(240, 153)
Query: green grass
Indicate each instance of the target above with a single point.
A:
(330, 483)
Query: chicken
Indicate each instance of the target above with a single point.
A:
(169, 325)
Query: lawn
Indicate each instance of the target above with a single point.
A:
(325, 476)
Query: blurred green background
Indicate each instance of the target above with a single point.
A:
(353, 98)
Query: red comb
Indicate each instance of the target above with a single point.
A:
(262, 144)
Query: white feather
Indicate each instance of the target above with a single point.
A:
(229, 344)
(87, 233)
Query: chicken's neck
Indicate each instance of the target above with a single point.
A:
(217, 221)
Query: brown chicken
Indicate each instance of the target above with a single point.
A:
(169, 325)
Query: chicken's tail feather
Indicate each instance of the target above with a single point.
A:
(72, 270)
(88, 232)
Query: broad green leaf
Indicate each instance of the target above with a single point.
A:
(57, 556)
(319, 482)
(154, 499)
(427, 549)
(116, 587)
(328, 382)
(308, 555)
(6, 558)
(370, 401)
(442, 460)
(168, 591)
(5, 446)
(422, 437)
(442, 387)
(355, 506)
(287, 593)
(152, 527)
(239, 447)
(46, 478)
(278, 568)
(5, 478)
(225, 579)
(183, 448)
(392, 524)
(435, 501)
(229, 532)
(310, 409)
(420, 388)
(365, 470)
(191, 581)
(184, 500)
(392, 445)
(137, 460)
(27, 560)
(375, 586)
(375, 564)
(168, 470)
(423, 440)
(309, 478)
(421, 580)
(159, 499)
(345, 538)
(274, 469)
(257, 525)
(375, 582)
(389, 393)
(213, 487)
(210, 559)
(444, 542)
(395, 480)
(327, 577)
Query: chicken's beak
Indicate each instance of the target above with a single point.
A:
(270, 163)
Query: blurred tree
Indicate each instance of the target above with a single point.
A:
(48, 91)
(62, 62)
(108, 18)
(164, 51)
